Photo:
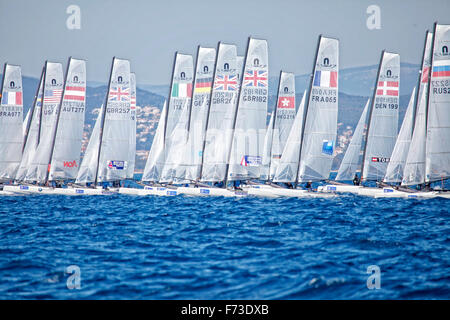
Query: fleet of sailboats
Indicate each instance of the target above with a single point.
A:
(213, 138)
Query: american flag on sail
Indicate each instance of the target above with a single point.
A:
(52, 95)
(119, 94)
(387, 88)
(74, 93)
(255, 78)
(226, 83)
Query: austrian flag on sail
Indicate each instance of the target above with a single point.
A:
(75, 93)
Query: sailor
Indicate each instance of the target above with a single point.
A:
(236, 185)
(289, 185)
(308, 186)
(356, 180)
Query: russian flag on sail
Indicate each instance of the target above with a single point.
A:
(75, 93)
(326, 79)
(441, 68)
(12, 98)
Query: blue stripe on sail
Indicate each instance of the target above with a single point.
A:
(441, 68)
(317, 79)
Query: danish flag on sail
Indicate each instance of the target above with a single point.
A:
(387, 88)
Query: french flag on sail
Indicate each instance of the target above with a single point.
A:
(12, 98)
(326, 79)
(441, 68)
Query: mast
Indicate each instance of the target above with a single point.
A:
(306, 108)
(102, 123)
(209, 109)
(57, 121)
(193, 86)
(235, 115)
(418, 83)
(429, 79)
(170, 94)
(274, 120)
(370, 114)
(33, 106)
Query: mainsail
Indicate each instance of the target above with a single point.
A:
(350, 163)
(321, 114)
(31, 136)
(132, 149)
(53, 89)
(250, 124)
(88, 168)
(267, 150)
(204, 73)
(221, 114)
(438, 124)
(288, 168)
(414, 172)
(177, 125)
(65, 156)
(383, 118)
(394, 170)
(115, 132)
(11, 126)
(284, 118)
(155, 160)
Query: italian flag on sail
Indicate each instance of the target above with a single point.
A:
(182, 90)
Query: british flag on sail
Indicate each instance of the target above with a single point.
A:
(119, 94)
(387, 88)
(255, 78)
(225, 83)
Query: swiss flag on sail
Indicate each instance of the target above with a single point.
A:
(387, 88)
(286, 102)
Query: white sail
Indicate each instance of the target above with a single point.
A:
(288, 167)
(221, 114)
(414, 172)
(31, 139)
(25, 123)
(53, 88)
(88, 168)
(155, 160)
(267, 150)
(69, 130)
(321, 114)
(11, 126)
(115, 133)
(285, 115)
(250, 125)
(438, 125)
(178, 119)
(394, 170)
(383, 119)
(204, 72)
(351, 162)
(132, 149)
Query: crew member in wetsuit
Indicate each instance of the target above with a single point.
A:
(308, 185)
(356, 180)
(289, 185)
(236, 185)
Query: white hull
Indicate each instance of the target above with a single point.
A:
(74, 191)
(217, 192)
(339, 188)
(149, 191)
(274, 192)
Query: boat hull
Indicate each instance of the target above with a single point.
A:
(338, 188)
(216, 192)
(74, 191)
(149, 191)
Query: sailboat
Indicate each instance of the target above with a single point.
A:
(107, 156)
(11, 126)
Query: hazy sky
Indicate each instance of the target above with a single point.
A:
(149, 32)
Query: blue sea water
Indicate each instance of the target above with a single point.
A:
(181, 247)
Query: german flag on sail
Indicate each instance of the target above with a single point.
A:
(203, 85)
